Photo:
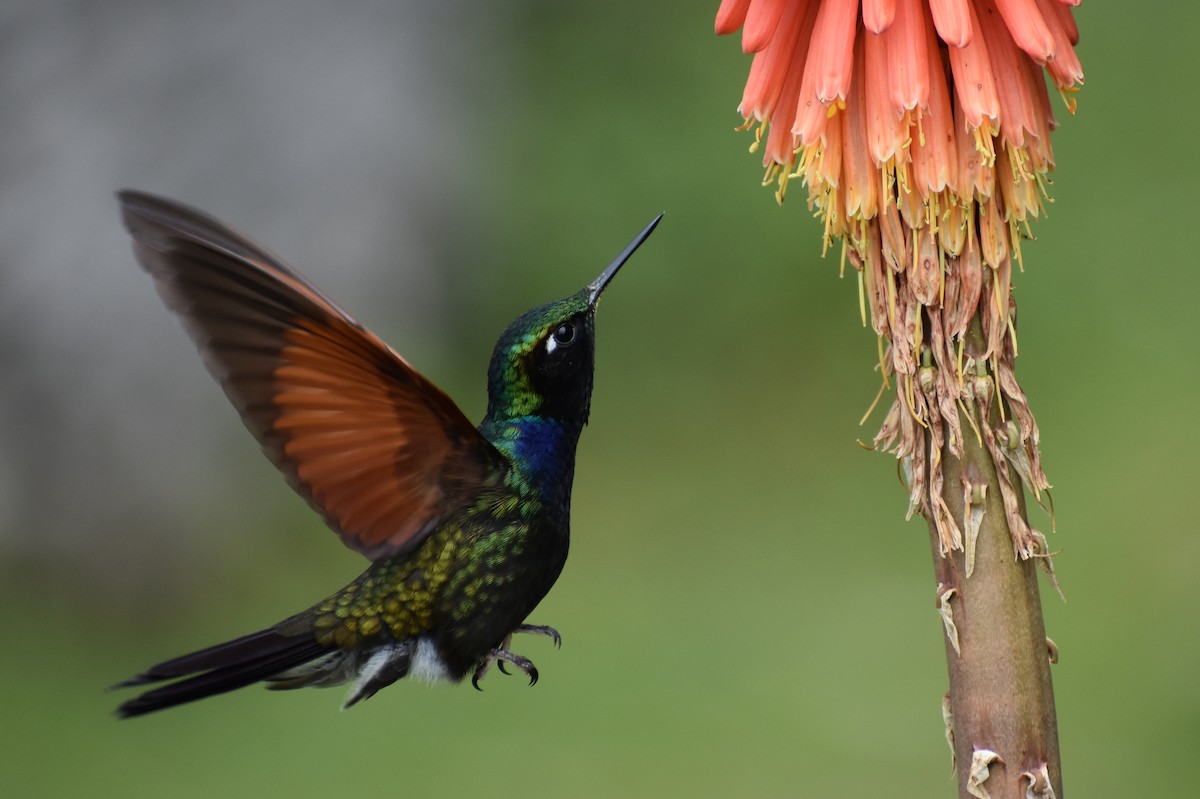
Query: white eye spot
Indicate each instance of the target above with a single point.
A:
(551, 345)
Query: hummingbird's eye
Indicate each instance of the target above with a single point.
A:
(564, 334)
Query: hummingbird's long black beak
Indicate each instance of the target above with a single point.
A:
(596, 287)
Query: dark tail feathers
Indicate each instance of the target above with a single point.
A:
(224, 667)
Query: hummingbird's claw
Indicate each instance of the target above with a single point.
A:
(500, 656)
(540, 629)
(525, 665)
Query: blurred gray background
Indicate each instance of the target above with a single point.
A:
(279, 118)
(745, 612)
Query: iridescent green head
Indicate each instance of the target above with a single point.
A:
(542, 364)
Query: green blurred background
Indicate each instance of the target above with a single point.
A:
(745, 611)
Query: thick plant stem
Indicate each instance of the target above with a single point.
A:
(1001, 720)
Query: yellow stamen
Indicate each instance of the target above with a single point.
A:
(969, 416)
(891, 287)
(911, 400)
(961, 342)
(882, 361)
(1067, 93)
(985, 143)
(1044, 182)
(1018, 159)
(769, 174)
(874, 402)
(759, 132)
(862, 295)
(831, 219)
(941, 277)
(1015, 237)
(996, 371)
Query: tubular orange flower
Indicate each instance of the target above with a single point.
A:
(921, 130)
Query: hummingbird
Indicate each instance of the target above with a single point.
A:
(466, 527)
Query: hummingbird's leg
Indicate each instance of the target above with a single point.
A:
(540, 629)
(498, 656)
(504, 645)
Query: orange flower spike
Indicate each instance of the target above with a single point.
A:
(824, 180)
(976, 177)
(922, 137)
(908, 63)
(1063, 12)
(973, 81)
(811, 114)
(1041, 156)
(952, 230)
(830, 170)
(935, 164)
(993, 232)
(1017, 110)
(1065, 67)
(1027, 28)
(730, 16)
(770, 68)
(757, 100)
(910, 201)
(792, 30)
(832, 51)
(885, 135)
(781, 144)
(892, 237)
(762, 18)
(860, 192)
(952, 19)
(1018, 189)
(827, 33)
(878, 14)
(779, 149)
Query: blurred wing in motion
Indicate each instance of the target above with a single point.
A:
(374, 447)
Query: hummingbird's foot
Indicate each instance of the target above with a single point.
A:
(532, 629)
(501, 656)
